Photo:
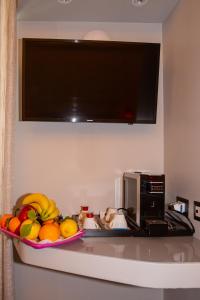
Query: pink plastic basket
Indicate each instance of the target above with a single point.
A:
(41, 245)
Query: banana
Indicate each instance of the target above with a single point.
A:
(37, 207)
(53, 215)
(41, 199)
(51, 208)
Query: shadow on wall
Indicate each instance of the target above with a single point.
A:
(182, 294)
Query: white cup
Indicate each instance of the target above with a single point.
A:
(110, 212)
(90, 223)
(118, 221)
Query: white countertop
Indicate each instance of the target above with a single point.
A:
(168, 262)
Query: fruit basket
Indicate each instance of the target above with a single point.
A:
(44, 243)
(37, 222)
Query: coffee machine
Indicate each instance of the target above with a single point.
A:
(144, 197)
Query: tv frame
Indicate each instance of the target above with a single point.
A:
(22, 88)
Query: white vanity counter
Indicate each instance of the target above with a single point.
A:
(168, 262)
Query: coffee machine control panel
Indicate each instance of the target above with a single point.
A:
(153, 183)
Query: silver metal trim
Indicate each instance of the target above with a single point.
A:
(135, 176)
(131, 175)
(156, 192)
(20, 78)
(155, 181)
(138, 219)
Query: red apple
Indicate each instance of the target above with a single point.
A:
(23, 214)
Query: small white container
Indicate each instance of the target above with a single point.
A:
(118, 222)
(90, 222)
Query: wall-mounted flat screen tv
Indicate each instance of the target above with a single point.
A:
(89, 81)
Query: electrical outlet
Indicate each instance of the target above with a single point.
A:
(197, 210)
(186, 205)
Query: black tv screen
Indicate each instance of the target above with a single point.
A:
(89, 81)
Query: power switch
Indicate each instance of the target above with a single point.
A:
(197, 210)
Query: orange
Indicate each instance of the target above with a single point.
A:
(48, 222)
(56, 224)
(14, 224)
(51, 222)
(5, 220)
(49, 232)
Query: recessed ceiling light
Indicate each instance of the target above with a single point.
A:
(139, 3)
(64, 1)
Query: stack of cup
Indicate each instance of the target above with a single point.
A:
(118, 221)
(90, 222)
(112, 219)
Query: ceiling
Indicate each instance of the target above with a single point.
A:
(155, 11)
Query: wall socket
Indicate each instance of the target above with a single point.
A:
(186, 202)
(197, 210)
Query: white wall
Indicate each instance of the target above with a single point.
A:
(181, 39)
(78, 163)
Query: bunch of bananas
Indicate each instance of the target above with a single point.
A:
(45, 207)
